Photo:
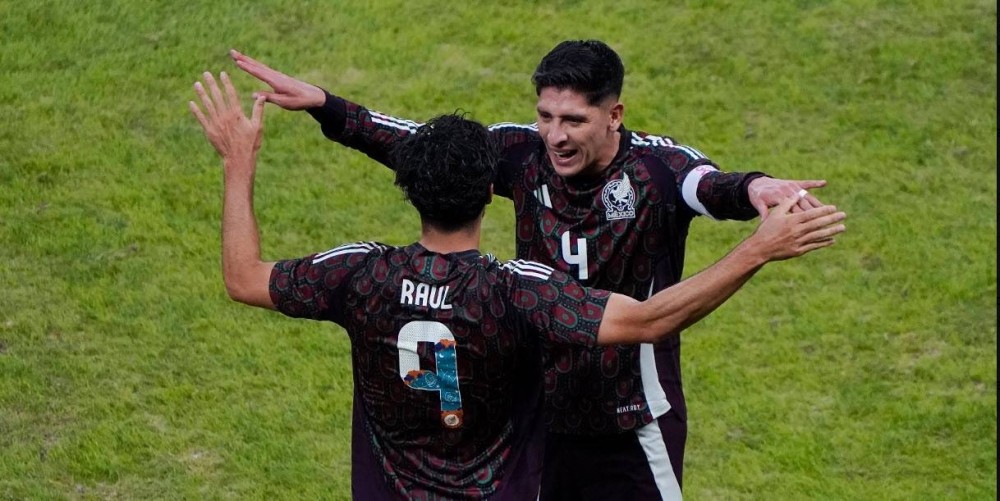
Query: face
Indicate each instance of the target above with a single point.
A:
(580, 138)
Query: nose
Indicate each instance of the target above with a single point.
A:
(556, 135)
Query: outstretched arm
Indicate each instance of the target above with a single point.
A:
(237, 139)
(350, 124)
(781, 236)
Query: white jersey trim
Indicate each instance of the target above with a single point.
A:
(651, 140)
(395, 123)
(655, 448)
(528, 269)
(511, 125)
(656, 398)
(689, 151)
(355, 248)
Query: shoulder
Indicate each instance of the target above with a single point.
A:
(663, 159)
(664, 148)
(351, 252)
(528, 270)
(511, 134)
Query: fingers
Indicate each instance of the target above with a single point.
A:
(205, 100)
(270, 97)
(214, 89)
(234, 99)
(786, 204)
(816, 245)
(196, 111)
(808, 185)
(258, 110)
(256, 69)
(824, 233)
(811, 201)
(761, 207)
(804, 205)
(824, 216)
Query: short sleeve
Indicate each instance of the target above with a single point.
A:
(314, 286)
(557, 306)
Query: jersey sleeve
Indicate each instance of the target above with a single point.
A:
(315, 286)
(704, 188)
(357, 127)
(516, 141)
(554, 305)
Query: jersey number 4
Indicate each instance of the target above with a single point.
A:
(445, 379)
(579, 258)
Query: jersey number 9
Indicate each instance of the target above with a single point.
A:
(445, 379)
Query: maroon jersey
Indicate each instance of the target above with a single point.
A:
(623, 230)
(447, 362)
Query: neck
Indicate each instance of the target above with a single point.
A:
(446, 242)
(609, 152)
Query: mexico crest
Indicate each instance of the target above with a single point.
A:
(619, 199)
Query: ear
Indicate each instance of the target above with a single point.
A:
(490, 200)
(617, 112)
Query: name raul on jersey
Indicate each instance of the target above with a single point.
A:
(418, 294)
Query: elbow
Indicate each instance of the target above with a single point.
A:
(236, 288)
(249, 285)
(234, 291)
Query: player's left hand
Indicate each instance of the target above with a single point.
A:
(234, 136)
(766, 192)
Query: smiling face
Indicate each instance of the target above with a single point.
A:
(580, 138)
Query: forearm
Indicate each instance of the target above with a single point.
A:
(245, 275)
(719, 195)
(357, 127)
(671, 310)
(687, 302)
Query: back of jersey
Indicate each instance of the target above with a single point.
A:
(447, 362)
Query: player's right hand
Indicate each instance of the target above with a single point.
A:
(784, 234)
(286, 92)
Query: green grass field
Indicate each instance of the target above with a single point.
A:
(862, 372)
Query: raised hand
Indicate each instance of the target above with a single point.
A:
(233, 135)
(766, 192)
(784, 234)
(286, 92)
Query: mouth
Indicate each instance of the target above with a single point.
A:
(563, 158)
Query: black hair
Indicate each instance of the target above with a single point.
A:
(589, 67)
(445, 170)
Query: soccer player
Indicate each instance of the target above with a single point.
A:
(611, 207)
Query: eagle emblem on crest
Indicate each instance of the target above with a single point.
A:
(619, 199)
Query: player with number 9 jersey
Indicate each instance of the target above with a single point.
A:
(447, 361)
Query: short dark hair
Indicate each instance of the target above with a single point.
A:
(445, 170)
(589, 67)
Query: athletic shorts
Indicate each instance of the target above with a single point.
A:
(645, 464)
